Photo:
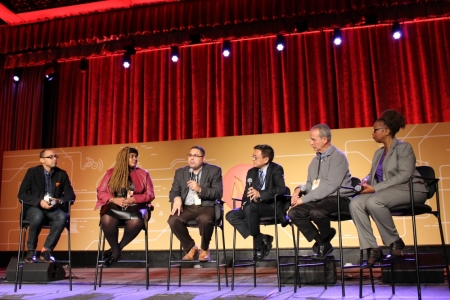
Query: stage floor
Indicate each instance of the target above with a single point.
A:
(129, 283)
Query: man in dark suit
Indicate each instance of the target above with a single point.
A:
(194, 191)
(45, 190)
(264, 181)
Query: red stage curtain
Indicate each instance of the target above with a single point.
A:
(178, 16)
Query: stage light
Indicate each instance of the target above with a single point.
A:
(226, 48)
(195, 38)
(301, 26)
(175, 55)
(51, 68)
(280, 42)
(84, 64)
(396, 30)
(129, 50)
(337, 36)
(17, 76)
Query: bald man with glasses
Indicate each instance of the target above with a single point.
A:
(45, 191)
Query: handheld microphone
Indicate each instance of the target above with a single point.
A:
(358, 189)
(191, 174)
(302, 191)
(249, 181)
(124, 192)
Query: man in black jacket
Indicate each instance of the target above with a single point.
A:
(45, 190)
(264, 181)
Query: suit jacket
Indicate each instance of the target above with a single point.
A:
(32, 188)
(210, 182)
(398, 166)
(274, 183)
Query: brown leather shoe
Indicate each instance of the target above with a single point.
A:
(191, 254)
(204, 255)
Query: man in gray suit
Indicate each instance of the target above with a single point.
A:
(194, 191)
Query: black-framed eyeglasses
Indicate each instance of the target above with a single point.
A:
(375, 129)
(51, 156)
(194, 155)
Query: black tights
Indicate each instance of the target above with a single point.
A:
(111, 231)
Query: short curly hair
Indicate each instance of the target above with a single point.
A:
(393, 120)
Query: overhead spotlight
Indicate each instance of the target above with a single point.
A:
(226, 48)
(337, 36)
(51, 69)
(129, 50)
(195, 38)
(84, 64)
(280, 42)
(371, 20)
(301, 26)
(396, 30)
(175, 55)
(17, 75)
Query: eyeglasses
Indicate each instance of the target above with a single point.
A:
(194, 155)
(256, 157)
(51, 156)
(375, 129)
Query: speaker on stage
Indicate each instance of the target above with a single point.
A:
(36, 272)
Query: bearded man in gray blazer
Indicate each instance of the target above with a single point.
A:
(194, 191)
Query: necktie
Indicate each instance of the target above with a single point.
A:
(261, 179)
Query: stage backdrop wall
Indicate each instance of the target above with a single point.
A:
(87, 165)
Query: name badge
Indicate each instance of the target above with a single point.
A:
(197, 201)
(315, 184)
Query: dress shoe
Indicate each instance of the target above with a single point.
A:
(324, 250)
(31, 256)
(47, 256)
(396, 250)
(204, 255)
(374, 255)
(191, 254)
(267, 242)
(110, 260)
(107, 254)
(327, 240)
(258, 254)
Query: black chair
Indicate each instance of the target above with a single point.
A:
(101, 245)
(336, 217)
(282, 204)
(24, 225)
(412, 209)
(218, 223)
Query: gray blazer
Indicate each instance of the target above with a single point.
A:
(210, 181)
(398, 166)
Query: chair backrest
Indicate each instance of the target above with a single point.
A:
(428, 173)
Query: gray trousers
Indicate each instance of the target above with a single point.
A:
(377, 205)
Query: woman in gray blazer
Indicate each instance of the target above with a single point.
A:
(386, 186)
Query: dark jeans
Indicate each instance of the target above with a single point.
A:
(204, 215)
(318, 212)
(39, 217)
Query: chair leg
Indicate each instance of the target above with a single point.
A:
(224, 256)
(444, 250)
(103, 263)
(295, 258)
(169, 265)
(19, 257)
(179, 266)
(416, 256)
(146, 258)
(22, 258)
(341, 258)
(392, 278)
(325, 273)
(98, 257)
(70, 257)
(233, 262)
(278, 256)
(298, 248)
(217, 256)
(361, 252)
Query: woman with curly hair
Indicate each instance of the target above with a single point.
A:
(386, 186)
(124, 196)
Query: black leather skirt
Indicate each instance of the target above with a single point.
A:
(134, 211)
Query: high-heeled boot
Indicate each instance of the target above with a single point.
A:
(396, 250)
(374, 255)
